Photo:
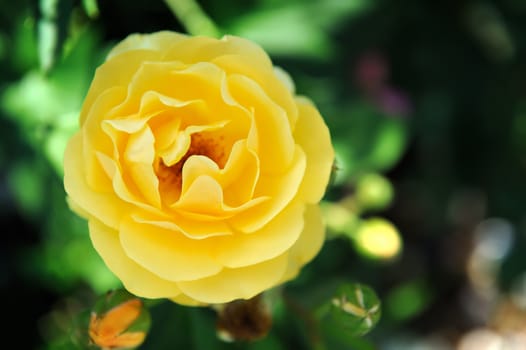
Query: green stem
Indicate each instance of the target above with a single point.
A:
(193, 18)
(322, 311)
(310, 321)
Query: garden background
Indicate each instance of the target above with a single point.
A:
(426, 103)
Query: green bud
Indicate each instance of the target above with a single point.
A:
(374, 192)
(338, 217)
(355, 308)
(377, 238)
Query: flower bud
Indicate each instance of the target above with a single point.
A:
(118, 321)
(355, 308)
(374, 192)
(378, 238)
(244, 320)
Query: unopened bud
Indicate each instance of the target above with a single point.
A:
(244, 320)
(374, 192)
(355, 308)
(119, 321)
(378, 238)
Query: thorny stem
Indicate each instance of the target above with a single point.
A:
(193, 18)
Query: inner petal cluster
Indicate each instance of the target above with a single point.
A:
(226, 156)
(171, 175)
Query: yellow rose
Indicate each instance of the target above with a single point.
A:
(198, 169)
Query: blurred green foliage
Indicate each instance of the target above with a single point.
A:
(426, 103)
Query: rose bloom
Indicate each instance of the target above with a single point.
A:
(198, 169)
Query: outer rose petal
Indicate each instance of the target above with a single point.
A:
(285, 78)
(236, 56)
(270, 135)
(158, 42)
(313, 136)
(309, 243)
(104, 206)
(117, 72)
(204, 49)
(282, 190)
(244, 282)
(167, 253)
(136, 279)
(94, 138)
(270, 241)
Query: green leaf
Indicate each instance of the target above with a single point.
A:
(299, 28)
(27, 187)
(271, 341)
(46, 106)
(203, 330)
(55, 262)
(285, 31)
(57, 139)
(366, 140)
(24, 53)
(52, 30)
(171, 328)
(91, 8)
(407, 300)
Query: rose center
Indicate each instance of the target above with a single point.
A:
(171, 177)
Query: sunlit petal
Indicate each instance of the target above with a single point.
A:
(313, 136)
(244, 282)
(135, 278)
(167, 253)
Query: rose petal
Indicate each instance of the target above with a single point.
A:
(238, 179)
(167, 253)
(136, 279)
(123, 185)
(313, 136)
(149, 76)
(309, 243)
(244, 282)
(270, 241)
(240, 175)
(158, 42)
(270, 134)
(115, 73)
(204, 198)
(186, 300)
(280, 189)
(190, 228)
(182, 141)
(285, 78)
(94, 139)
(272, 80)
(207, 49)
(105, 206)
(139, 156)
